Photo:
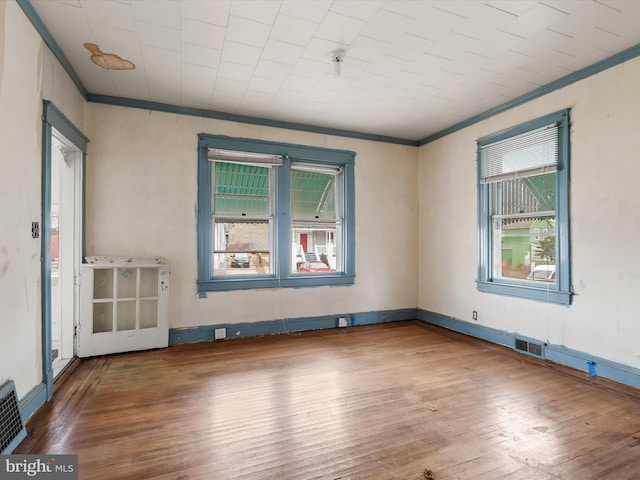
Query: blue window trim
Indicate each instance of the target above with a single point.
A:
(560, 292)
(282, 276)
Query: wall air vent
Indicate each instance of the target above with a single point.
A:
(530, 348)
(521, 345)
(12, 430)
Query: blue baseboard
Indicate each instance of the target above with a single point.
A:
(32, 401)
(490, 334)
(560, 354)
(286, 325)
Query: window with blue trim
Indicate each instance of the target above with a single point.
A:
(273, 215)
(523, 217)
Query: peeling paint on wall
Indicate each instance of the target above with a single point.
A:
(4, 261)
(2, 34)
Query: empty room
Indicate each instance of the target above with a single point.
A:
(319, 239)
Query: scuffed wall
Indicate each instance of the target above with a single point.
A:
(27, 72)
(604, 213)
(141, 200)
(20, 110)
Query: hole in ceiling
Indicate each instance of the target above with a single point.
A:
(109, 61)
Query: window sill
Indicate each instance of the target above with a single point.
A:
(226, 284)
(527, 292)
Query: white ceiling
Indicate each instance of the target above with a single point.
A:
(412, 68)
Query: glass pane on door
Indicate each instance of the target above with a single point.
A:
(102, 317)
(148, 282)
(148, 313)
(103, 283)
(127, 282)
(126, 315)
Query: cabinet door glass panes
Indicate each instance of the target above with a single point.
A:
(126, 315)
(148, 313)
(103, 315)
(103, 283)
(136, 303)
(127, 282)
(148, 282)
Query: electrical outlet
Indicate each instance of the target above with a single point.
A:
(475, 315)
(342, 322)
(220, 333)
(35, 230)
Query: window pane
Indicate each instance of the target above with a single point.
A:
(524, 195)
(240, 189)
(313, 194)
(315, 248)
(241, 247)
(526, 248)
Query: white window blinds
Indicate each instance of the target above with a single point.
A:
(531, 153)
(243, 157)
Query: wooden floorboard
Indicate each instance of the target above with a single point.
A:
(377, 402)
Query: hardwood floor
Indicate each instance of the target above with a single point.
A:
(378, 402)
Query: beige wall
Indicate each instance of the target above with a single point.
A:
(141, 200)
(28, 73)
(604, 212)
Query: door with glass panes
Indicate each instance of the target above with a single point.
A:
(124, 305)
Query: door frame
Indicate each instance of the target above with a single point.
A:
(52, 118)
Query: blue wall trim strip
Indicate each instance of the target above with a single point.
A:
(230, 117)
(586, 72)
(35, 19)
(556, 353)
(490, 334)
(32, 401)
(603, 367)
(288, 325)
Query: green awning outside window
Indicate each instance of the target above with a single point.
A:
(242, 189)
(313, 195)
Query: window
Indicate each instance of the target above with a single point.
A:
(523, 223)
(272, 214)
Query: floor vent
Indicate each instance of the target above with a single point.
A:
(530, 348)
(12, 430)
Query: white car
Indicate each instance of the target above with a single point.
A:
(543, 273)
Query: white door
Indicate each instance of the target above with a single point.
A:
(65, 247)
(124, 305)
